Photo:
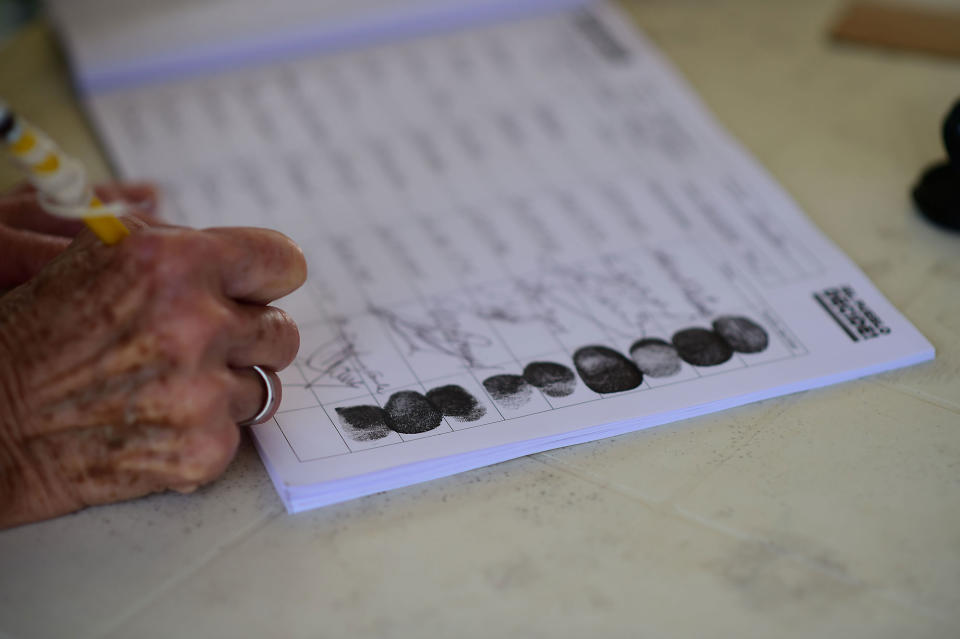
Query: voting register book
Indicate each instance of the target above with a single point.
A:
(523, 230)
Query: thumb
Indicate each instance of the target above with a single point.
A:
(25, 253)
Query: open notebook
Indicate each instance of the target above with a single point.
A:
(523, 229)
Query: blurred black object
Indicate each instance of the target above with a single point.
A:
(14, 13)
(937, 194)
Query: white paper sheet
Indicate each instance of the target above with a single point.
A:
(116, 43)
(476, 202)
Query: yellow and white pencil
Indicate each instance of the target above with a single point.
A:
(61, 181)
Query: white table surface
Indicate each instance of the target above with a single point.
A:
(830, 513)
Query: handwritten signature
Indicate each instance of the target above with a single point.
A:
(338, 363)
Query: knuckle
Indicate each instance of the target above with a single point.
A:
(209, 437)
(140, 251)
(198, 401)
(189, 328)
(216, 317)
(208, 450)
(287, 337)
(165, 254)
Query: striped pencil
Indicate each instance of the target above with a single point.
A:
(61, 181)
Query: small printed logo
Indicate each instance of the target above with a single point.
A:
(851, 313)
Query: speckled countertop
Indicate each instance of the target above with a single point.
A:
(828, 513)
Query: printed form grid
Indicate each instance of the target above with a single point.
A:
(422, 384)
(599, 106)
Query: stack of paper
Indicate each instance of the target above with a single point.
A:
(521, 235)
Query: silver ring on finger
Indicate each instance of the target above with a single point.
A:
(272, 400)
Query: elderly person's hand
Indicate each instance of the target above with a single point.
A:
(30, 237)
(124, 369)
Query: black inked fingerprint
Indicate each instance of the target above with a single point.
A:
(700, 347)
(742, 334)
(410, 413)
(510, 390)
(555, 380)
(604, 370)
(454, 401)
(364, 423)
(655, 357)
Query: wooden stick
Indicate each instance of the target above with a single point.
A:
(926, 29)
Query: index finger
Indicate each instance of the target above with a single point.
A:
(258, 265)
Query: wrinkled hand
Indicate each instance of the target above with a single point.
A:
(124, 369)
(30, 237)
